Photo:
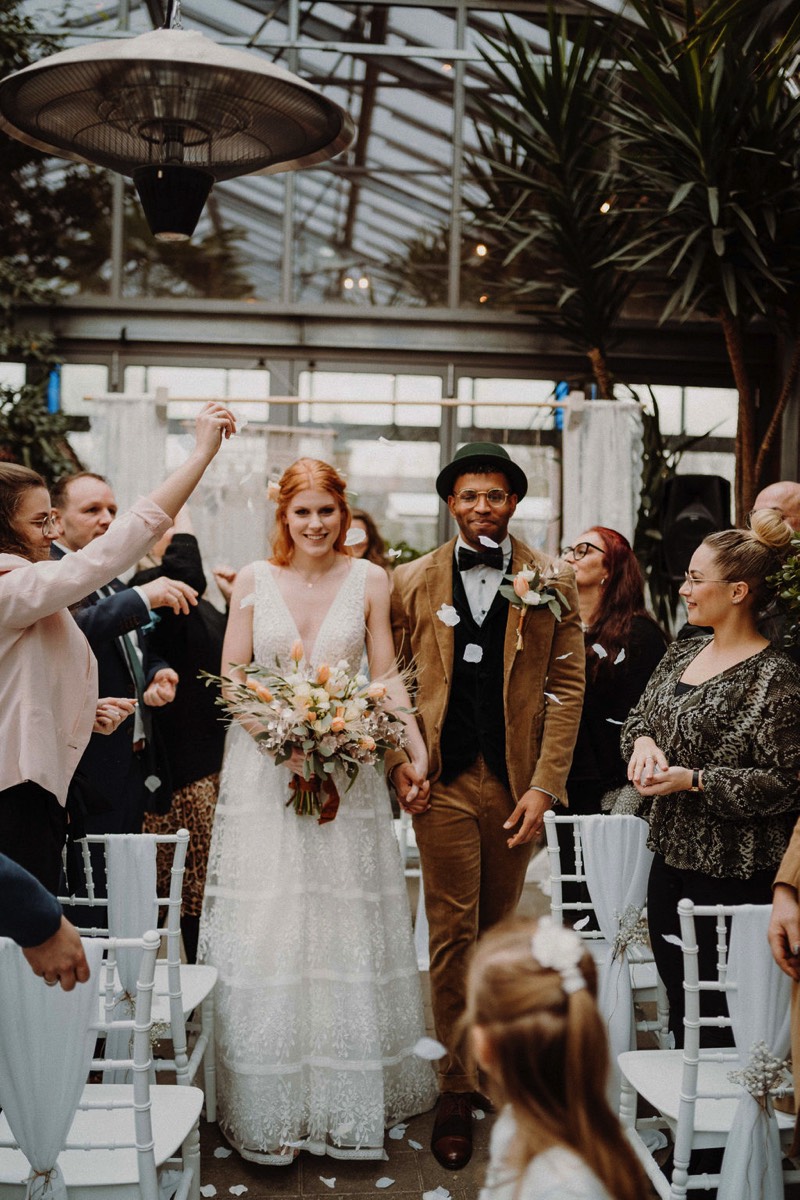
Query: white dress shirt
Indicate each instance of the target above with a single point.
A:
(481, 583)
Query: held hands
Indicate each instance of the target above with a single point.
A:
(111, 711)
(169, 593)
(530, 810)
(161, 689)
(783, 934)
(60, 959)
(413, 789)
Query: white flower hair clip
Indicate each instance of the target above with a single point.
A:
(273, 490)
(561, 950)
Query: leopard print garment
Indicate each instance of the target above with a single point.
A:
(743, 728)
(193, 809)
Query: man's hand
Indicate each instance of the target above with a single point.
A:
(530, 810)
(60, 959)
(169, 593)
(784, 930)
(413, 790)
(111, 711)
(161, 689)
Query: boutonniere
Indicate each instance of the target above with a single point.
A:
(532, 588)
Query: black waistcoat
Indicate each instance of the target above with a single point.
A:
(475, 722)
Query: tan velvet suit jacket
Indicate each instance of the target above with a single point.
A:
(540, 733)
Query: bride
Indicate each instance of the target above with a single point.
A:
(318, 1001)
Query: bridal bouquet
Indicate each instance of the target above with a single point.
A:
(330, 715)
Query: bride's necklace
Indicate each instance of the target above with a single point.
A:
(310, 582)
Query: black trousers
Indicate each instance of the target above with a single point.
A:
(33, 829)
(666, 887)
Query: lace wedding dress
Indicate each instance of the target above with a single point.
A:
(318, 1000)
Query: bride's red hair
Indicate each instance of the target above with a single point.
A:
(304, 475)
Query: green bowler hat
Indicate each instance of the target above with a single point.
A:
(481, 454)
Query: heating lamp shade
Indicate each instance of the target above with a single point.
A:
(174, 97)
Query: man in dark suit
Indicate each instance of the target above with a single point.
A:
(499, 689)
(121, 775)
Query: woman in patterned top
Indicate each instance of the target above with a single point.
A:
(714, 747)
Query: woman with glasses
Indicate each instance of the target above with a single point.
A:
(714, 747)
(48, 675)
(623, 647)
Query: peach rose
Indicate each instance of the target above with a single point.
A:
(521, 586)
(297, 650)
(323, 673)
(366, 742)
(376, 691)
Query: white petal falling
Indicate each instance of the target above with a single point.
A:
(448, 615)
(611, 721)
(620, 657)
(329, 1183)
(223, 1152)
(473, 653)
(429, 1048)
(584, 921)
(208, 1190)
(398, 1132)
(238, 1189)
(553, 697)
(437, 1193)
(478, 1114)
(384, 1182)
(355, 536)
(487, 541)
(415, 1145)
(561, 656)
(599, 650)
(673, 940)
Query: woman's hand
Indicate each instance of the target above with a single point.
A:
(295, 762)
(111, 711)
(645, 759)
(213, 423)
(674, 779)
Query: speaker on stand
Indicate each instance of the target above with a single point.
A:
(694, 506)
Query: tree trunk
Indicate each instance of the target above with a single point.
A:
(746, 425)
(602, 375)
(775, 419)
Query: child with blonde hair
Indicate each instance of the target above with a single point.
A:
(539, 1037)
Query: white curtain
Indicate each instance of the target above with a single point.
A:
(129, 442)
(132, 911)
(46, 1048)
(617, 864)
(602, 465)
(759, 1009)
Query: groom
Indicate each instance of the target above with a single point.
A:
(500, 723)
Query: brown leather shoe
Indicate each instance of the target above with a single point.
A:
(451, 1140)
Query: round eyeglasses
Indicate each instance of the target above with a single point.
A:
(495, 497)
(580, 550)
(47, 525)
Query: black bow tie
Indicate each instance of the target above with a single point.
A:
(491, 557)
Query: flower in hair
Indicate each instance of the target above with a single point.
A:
(273, 490)
(561, 950)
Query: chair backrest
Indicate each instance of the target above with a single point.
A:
(559, 906)
(18, 1087)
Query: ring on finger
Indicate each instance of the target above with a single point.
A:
(51, 982)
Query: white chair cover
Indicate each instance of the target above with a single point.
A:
(759, 1009)
(132, 910)
(43, 1061)
(617, 865)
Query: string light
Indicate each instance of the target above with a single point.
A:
(482, 299)
(363, 282)
(605, 206)
(349, 284)
(447, 66)
(481, 250)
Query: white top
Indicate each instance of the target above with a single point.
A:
(555, 1174)
(481, 583)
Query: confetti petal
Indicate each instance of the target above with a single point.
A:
(222, 1152)
(437, 1193)
(567, 655)
(238, 1189)
(355, 536)
(487, 541)
(415, 1145)
(208, 1189)
(620, 657)
(384, 1182)
(611, 721)
(429, 1048)
(478, 1114)
(584, 921)
(550, 696)
(398, 1132)
(448, 615)
(331, 1183)
(599, 650)
(473, 653)
(673, 940)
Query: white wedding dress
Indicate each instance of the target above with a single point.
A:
(318, 1001)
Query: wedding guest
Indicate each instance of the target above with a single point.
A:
(48, 674)
(536, 1031)
(191, 729)
(32, 917)
(784, 940)
(373, 546)
(499, 685)
(318, 1006)
(714, 748)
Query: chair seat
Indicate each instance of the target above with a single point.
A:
(197, 981)
(657, 1074)
(174, 1111)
